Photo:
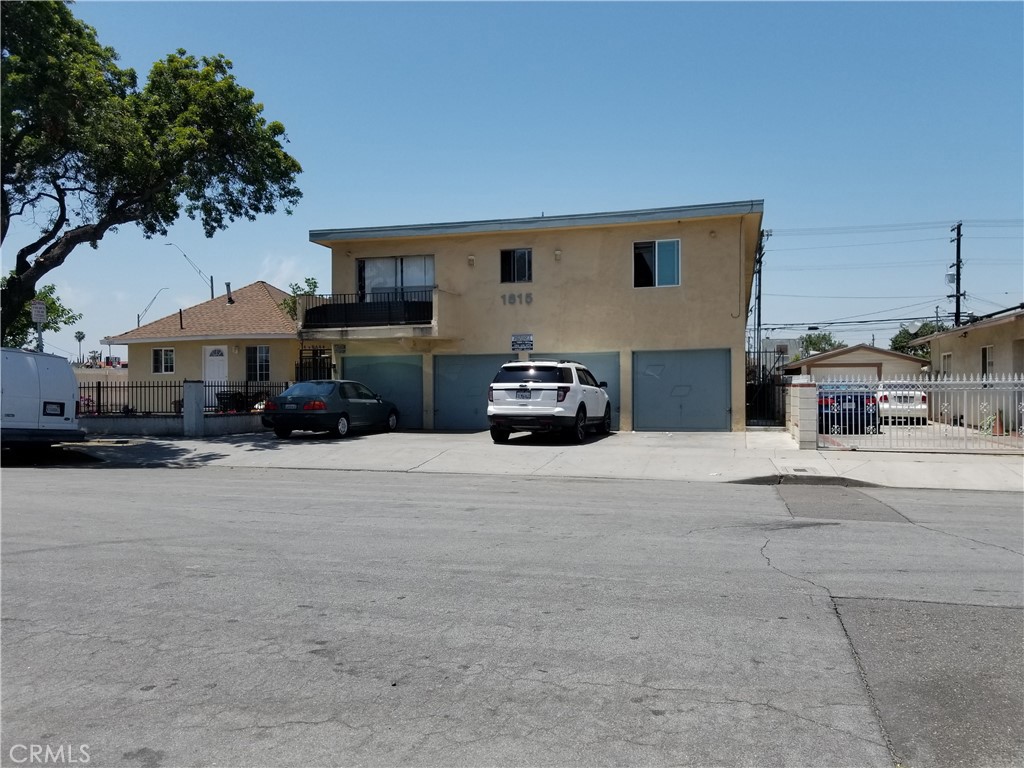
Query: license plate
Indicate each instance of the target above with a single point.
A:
(849, 406)
(290, 406)
(520, 395)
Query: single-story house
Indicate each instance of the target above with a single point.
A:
(653, 301)
(861, 361)
(984, 346)
(243, 335)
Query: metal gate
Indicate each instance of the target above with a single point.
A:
(314, 363)
(982, 414)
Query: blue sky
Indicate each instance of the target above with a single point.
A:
(869, 129)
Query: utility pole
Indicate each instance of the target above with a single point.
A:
(958, 265)
(758, 264)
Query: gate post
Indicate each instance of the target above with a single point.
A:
(194, 396)
(803, 414)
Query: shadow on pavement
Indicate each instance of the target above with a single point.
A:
(149, 452)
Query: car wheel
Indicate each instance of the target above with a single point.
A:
(499, 435)
(392, 421)
(606, 423)
(341, 428)
(579, 426)
(281, 432)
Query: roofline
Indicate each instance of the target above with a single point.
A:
(206, 337)
(739, 208)
(841, 350)
(993, 318)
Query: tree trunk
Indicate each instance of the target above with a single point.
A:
(16, 293)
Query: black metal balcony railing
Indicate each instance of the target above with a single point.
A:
(353, 310)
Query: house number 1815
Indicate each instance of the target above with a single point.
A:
(516, 298)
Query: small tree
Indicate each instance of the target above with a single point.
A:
(291, 304)
(901, 341)
(819, 342)
(16, 333)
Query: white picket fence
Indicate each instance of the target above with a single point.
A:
(964, 414)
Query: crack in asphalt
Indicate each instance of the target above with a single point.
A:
(861, 671)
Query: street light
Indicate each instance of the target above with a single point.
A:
(138, 317)
(196, 268)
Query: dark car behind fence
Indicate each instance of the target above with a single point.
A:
(165, 398)
(956, 413)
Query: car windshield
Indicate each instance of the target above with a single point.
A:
(309, 389)
(534, 374)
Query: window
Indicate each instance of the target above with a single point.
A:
(987, 361)
(163, 360)
(946, 365)
(394, 277)
(257, 363)
(517, 265)
(655, 263)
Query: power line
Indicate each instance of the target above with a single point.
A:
(902, 227)
(857, 245)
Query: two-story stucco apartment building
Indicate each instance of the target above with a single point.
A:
(653, 301)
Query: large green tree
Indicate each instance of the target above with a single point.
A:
(901, 341)
(18, 331)
(85, 150)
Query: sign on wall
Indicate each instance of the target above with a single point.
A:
(522, 342)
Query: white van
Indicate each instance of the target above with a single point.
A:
(38, 400)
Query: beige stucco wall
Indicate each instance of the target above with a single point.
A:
(1006, 339)
(581, 297)
(188, 359)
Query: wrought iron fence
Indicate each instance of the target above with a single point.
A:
(349, 310)
(962, 414)
(165, 398)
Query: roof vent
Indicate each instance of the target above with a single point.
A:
(230, 300)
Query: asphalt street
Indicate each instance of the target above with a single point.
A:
(245, 616)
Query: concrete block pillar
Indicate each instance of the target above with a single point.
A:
(805, 419)
(194, 396)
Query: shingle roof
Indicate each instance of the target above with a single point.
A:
(256, 312)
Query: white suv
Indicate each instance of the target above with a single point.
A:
(547, 395)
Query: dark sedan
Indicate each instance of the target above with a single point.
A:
(847, 408)
(328, 406)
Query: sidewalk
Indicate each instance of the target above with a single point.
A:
(758, 456)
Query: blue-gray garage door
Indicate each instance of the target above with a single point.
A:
(682, 390)
(460, 389)
(398, 378)
(604, 366)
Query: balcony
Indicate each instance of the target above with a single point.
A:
(379, 314)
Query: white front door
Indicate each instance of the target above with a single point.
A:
(215, 372)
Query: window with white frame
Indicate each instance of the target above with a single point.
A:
(946, 365)
(517, 265)
(257, 363)
(163, 360)
(655, 263)
(987, 360)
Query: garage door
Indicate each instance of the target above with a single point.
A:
(398, 378)
(682, 390)
(460, 389)
(604, 366)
